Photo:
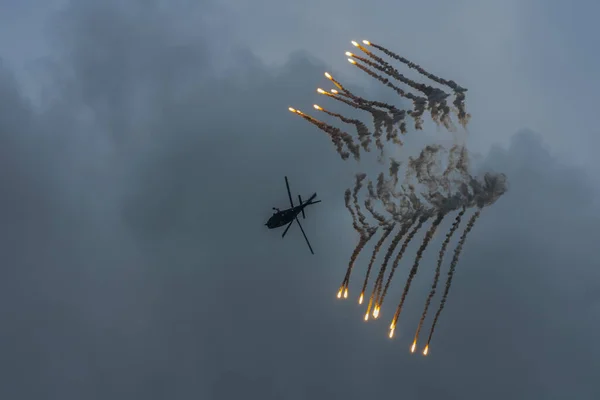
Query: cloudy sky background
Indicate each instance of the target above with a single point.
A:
(142, 146)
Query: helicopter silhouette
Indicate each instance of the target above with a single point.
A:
(289, 215)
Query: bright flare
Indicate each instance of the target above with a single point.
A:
(367, 42)
(414, 346)
(319, 90)
(339, 294)
(426, 350)
(317, 107)
(367, 316)
(346, 293)
(292, 109)
(351, 61)
(392, 333)
(360, 299)
(349, 54)
(376, 312)
(354, 43)
(327, 75)
(334, 91)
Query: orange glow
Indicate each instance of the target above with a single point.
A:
(376, 312)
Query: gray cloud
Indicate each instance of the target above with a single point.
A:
(136, 263)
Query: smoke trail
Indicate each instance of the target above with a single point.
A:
(451, 167)
(347, 197)
(363, 240)
(386, 232)
(371, 55)
(366, 232)
(394, 167)
(397, 118)
(338, 137)
(381, 66)
(438, 268)
(409, 238)
(453, 264)
(378, 282)
(415, 267)
(343, 291)
(364, 136)
(451, 84)
(425, 167)
(360, 177)
(440, 112)
(336, 83)
(386, 259)
(380, 218)
(418, 102)
(380, 118)
(459, 101)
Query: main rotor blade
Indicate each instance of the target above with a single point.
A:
(286, 229)
(302, 229)
(289, 192)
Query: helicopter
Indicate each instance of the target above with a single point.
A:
(289, 215)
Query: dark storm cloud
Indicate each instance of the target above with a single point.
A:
(136, 263)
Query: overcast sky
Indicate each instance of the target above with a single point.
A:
(143, 146)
